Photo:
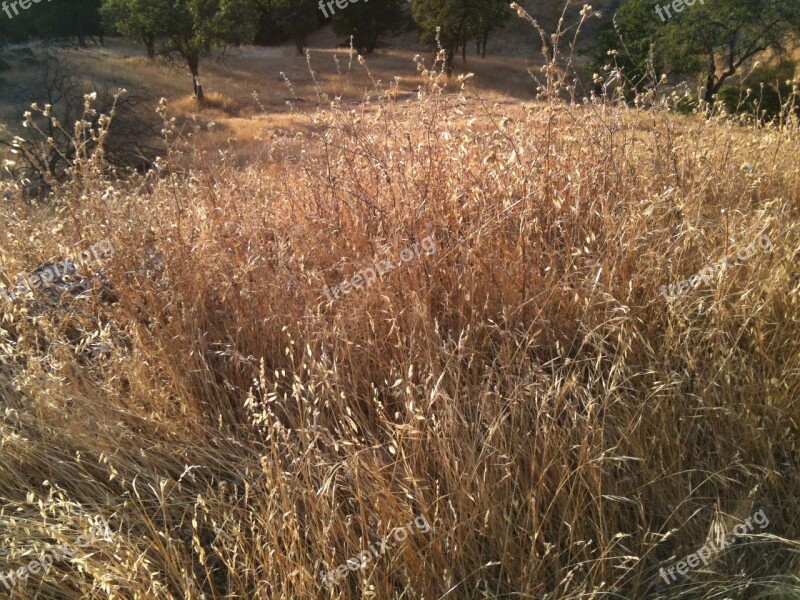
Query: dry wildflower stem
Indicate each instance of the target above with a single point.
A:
(525, 388)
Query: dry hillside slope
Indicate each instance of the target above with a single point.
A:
(244, 419)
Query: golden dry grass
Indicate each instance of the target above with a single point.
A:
(230, 84)
(526, 388)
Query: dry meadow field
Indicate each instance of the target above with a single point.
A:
(525, 389)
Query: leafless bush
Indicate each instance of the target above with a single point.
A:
(45, 154)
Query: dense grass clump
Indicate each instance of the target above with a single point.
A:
(565, 431)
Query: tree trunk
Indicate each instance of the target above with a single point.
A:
(150, 44)
(356, 39)
(373, 42)
(79, 32)
(711, 76)
(194, 67)
(464, 51)
(485, 40)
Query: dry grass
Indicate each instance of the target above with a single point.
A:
(215, 105)
(255, 69)
(255, 93)
(564, 431)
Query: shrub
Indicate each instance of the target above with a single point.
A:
(44, 152)
(764, 92)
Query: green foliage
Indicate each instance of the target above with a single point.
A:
(449, 17)
(47, 20)
(485, 15)
(292, 19)
(459, 21)
(224, 22)
(633, 36)
(683, 104)
(715, 38)
(188, 28)
(770, 88)
(137, 19)
(366, 21)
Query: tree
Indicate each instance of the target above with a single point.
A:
(485, 15)
(84, 18)
(366, 21)
(188, 28)
(631, 36)
(715, 38)
(58, 20)
(459, 21)
(450, 18)
(137, 19)
(552, 16)
(295, 19)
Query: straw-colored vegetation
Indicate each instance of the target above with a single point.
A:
(564, 430)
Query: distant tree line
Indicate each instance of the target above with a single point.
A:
(187, 30)
(80, 21)
(458, 22)
(713, 39)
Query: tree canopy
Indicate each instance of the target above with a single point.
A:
(714, 39)
(187, 28)
(458, 21)
(77, 20)
(366, 21)
(137, 19)
(295, 19)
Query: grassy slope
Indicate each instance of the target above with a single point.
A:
(526, 387)
(246, 70)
